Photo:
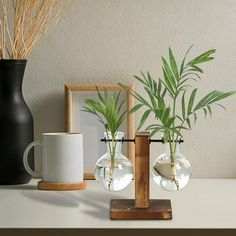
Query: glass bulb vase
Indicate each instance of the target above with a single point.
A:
(113, 170)
(171, 172)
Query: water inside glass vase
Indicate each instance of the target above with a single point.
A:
(113, 170)
(171, 175)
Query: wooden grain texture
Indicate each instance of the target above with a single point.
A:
(142, 170)
(93, 86)
(68, 109)
(61, 186)
(69, 88)
(131, 126)
(89, 176)
(124, 209)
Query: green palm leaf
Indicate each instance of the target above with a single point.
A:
(173, 64)
(161, 96)
(191, 101)
(107, 110)
(144, 118)
(169, 75)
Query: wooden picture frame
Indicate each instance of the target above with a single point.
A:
(88, 87)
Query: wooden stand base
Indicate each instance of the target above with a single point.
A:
(61, 186)
(123, 209)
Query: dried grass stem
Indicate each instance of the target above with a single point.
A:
(24, 22)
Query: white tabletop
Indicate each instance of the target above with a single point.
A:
(204, 203)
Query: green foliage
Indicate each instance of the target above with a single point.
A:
(108, 110)
(175, 86)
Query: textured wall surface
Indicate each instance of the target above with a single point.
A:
(110, 40)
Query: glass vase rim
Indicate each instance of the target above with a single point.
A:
(178, 140)
(119, 134)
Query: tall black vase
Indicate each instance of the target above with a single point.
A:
(16, 123)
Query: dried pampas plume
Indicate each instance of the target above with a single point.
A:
(24, 22)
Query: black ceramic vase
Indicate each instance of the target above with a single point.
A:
(16, 123)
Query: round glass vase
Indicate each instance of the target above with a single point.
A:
(113, 170)
(171, 174)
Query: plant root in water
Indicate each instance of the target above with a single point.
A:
(109, 184)
(176, 182)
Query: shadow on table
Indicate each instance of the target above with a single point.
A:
(60, 199)
(19, 187)
(99, 203)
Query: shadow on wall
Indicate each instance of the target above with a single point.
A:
(48, 114)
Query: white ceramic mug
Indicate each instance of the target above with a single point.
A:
(62, 158)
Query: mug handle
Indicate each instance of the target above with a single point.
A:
(25, 160)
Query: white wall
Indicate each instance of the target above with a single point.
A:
(109, 40)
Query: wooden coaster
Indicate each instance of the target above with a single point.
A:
(123, 209)
(61, 186)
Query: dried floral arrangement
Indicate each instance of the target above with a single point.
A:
(24, 22)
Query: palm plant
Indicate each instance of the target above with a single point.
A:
(109, 111)
(165, 94)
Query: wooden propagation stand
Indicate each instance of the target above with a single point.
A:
(141, 208)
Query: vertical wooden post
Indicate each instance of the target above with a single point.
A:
(141, 208)
(142, 170)
(131, 129)
(68, 109)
